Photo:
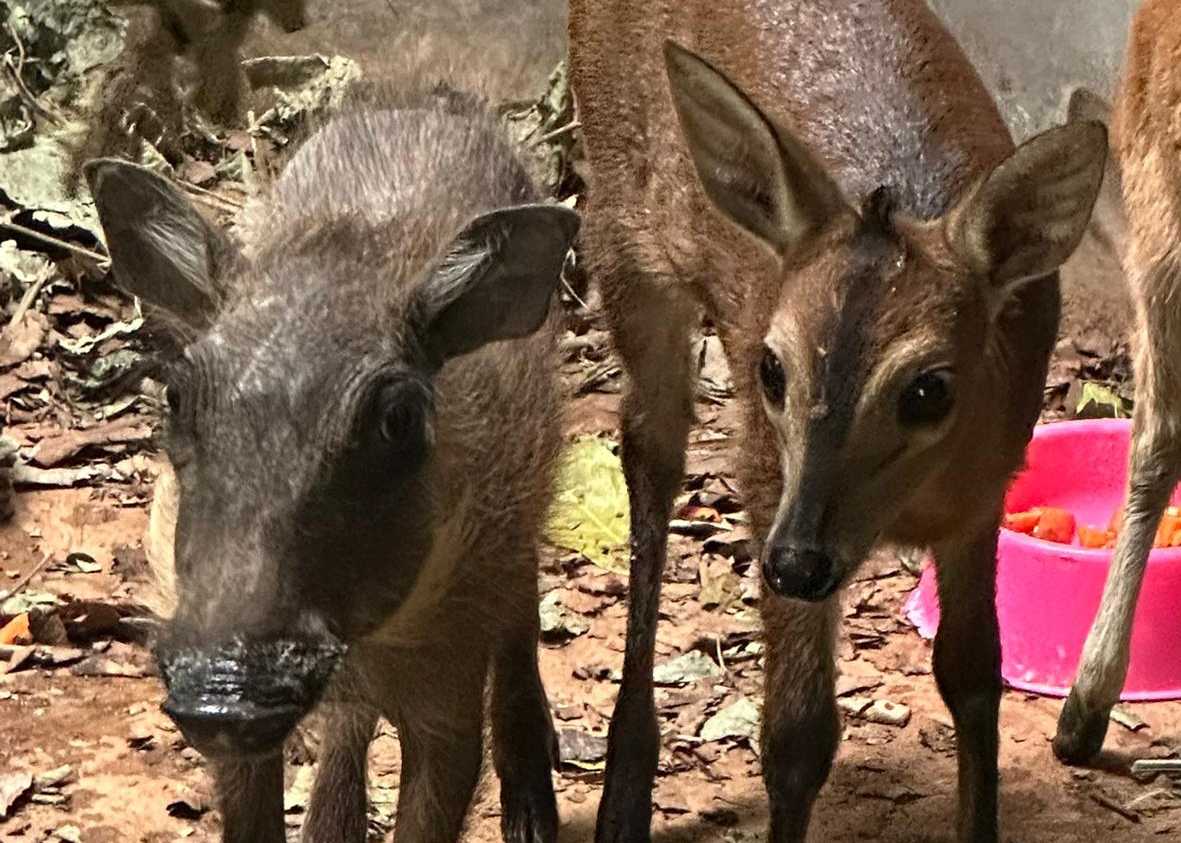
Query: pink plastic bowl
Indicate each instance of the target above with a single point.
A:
(1048, 593)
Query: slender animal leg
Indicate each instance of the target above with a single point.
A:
(524, 747)
(440, 727)
(1155, 466)
(651, 326)
(968, 673)
(801, 726)
(339, 807)
(218, 56)
(251, 794)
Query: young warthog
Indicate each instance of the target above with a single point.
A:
(831, 183)
(361, 468)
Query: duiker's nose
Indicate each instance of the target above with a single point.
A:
(803, 573)
(245, 696)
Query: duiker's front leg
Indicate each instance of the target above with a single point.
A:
(339, 808)
(801, 726)
(651, 325)
(968, 673)
(1155, 465)
(524, 747)
(251, 796)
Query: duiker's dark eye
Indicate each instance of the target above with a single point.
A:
(773, 379)
(927, 399)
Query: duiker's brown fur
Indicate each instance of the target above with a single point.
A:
(1146, 138)
(901, 341)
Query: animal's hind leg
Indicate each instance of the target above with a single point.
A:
(339, 808)
(524, 747)
(652, 321)
(1155, 466)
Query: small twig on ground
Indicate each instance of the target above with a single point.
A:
(1166, 792)
(721, 660)
(230, 204)
(29, 297)
(1111, 805)
(15, 68)
(574, 295)
(20, 584)
(55, 241)
(1156, 765)
(558, 132)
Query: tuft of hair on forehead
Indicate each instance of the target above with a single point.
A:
(877, 210)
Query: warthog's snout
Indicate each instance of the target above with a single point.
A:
(803, 573)
(245, 696)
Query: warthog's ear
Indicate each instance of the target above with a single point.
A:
(495, 280)
(1027, 216)
(760, 176)
(161, 249)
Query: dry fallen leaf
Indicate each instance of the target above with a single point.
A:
(20, 339)
(56, 449)
(13, 786)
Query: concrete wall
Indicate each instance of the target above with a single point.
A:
(1032, 53)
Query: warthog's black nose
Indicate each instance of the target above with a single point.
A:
(215, 727)
(245, 696)
(803, 573)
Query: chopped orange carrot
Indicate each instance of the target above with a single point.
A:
(1022, 522)
(16, 631)
(1090, 537)
(1117, 520)
(1055, 525)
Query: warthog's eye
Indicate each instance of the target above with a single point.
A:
(402, 409)
(772, 377)
(927, 399)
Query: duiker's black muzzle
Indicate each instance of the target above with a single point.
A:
(802, 573)
(243, 696)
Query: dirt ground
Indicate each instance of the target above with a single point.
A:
(106, 765)
(131, 777)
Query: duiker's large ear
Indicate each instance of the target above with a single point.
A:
(758, 175)
(495, 280)
(161, 249)
(1025, 218)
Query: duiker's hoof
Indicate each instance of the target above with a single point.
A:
(1080, 733)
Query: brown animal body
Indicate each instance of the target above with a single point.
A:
(882, 275)
(363, 420)
(210, 33)
(1146, 139)
(181, 54)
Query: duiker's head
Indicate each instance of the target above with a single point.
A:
(302, 427)
(880, 348)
